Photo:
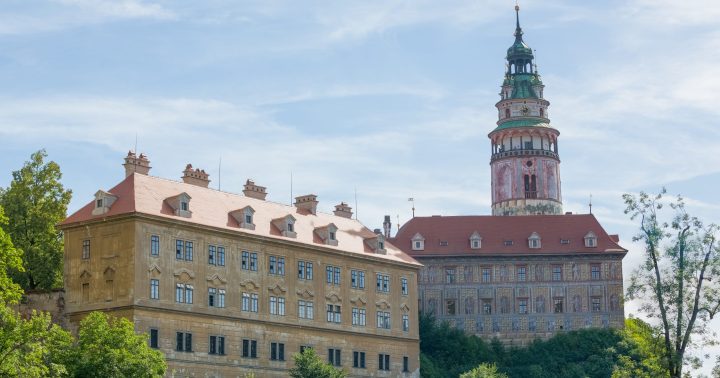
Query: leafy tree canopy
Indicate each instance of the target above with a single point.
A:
(10, 260)
(484, 371)
(108, 347)
(309, 365)
(34, 203)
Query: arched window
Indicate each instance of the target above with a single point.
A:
(542, 112)
(507, 113)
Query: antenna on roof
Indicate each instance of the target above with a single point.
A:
(411, 199)
(356, 206)
(219, 171)
(590, 204)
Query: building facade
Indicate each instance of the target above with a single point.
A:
(226, 284)
(528, 270)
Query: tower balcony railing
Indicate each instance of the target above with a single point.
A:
(523, 152)
(531, 194)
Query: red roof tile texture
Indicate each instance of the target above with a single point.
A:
(496, 232)
(147, 195)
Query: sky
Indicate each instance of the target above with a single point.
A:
(375, 100)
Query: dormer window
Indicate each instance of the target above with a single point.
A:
(286, 225)
(534, 240)
(475, 240)
(103, 202)
(377, 243)
(328, 234)
(181, 204)
(418, 242)
(590, 240)
(244, 217)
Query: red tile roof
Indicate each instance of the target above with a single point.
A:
(144, 194)
(496, 230)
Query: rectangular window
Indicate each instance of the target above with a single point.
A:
(154, 338)
(249, 348)
(596, 304)
(211, 296)
(382, 283)
(334, 357)
(221, 256)
(522, 306)
(86, 249)
(277, 305)
(245, 260)
(487, 306)
(183, 342)
(486, 274)
(154, 289)
(305, 270)
(450, 307)
(253, 262)
(211, 254)
(450, 275)
(359, 360)
(276, 265)
(404, 286)
(221, 298)
(332, 275)
(558, 305)
(522, 273)
(358, 316)
(305, 309)
(188, 250)
(383, 319)
(249, 302)
(357, 279)
(272, 265)
(217, 345)
(180, 293)
(383, 362)
(333, 313)
(595, 271)
(406, 363)
(188, 294)
(277, 351)
(557, 272)
(154, 245)
(179, 246)
(406, 322)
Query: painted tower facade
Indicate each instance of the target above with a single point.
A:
(525, 164)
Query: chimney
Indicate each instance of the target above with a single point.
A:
(254, 191)
(307, 202)
(136, 164)
(387, 225)
(196, 176)
(343, 210)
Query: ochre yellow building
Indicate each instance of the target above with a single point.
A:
(227, 284)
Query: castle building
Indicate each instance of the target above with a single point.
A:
(527, 271)
(229, 284)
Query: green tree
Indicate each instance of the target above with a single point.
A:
(108, 347)
(10, 260)
(31, 348)
(35, 202)
(674, 283)
(645, 352)
(309, 365)
(484, 371)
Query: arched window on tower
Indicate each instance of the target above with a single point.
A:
(530, 186)
(507, 113)
(542, 112)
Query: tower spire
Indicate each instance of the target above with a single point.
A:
(518, 29)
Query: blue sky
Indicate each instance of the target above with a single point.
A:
(391, 98)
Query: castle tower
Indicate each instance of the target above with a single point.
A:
(524, 162)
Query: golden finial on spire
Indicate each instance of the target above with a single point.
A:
(517, 6)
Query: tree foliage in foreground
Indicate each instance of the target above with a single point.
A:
(10, 260)
(484, 371)
(35, 202)
(108, 347)
(309, 365)
(675, 283)
(448, 352)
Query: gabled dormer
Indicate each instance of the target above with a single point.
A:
(244, 217)
(534, 241)
(377, 244)
(418, 242)
(328, 234)
(180, 204)
(590, 240)
(475, 240)
(286, 225)
(103, 202)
